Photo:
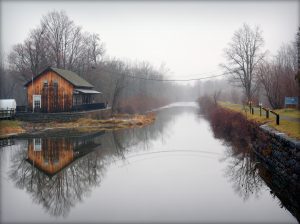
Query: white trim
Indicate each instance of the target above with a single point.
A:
(86, 91)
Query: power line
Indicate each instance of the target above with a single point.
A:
(167, 80)
(176, 80)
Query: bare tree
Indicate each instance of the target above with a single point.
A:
(269, 77)
(298, 56)
(278, 76)
(216, 96)
(286, 59)
(243, 56)
(58, 42)
(119, 71)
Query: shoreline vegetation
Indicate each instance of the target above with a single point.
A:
(223, 120)
(272, 154)
(289, 121)
(119, 121)
(234, 117)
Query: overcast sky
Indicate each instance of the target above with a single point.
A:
(189, 37)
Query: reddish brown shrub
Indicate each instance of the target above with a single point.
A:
(232, 126)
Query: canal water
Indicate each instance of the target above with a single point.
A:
(174, 170)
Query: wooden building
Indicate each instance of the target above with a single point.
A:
(50, 155)
(58, 90)
(53, 154)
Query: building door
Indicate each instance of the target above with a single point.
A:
(37, 103)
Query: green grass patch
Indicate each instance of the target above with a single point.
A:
(291, 128)
(289, 112)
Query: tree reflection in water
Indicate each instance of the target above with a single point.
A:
(242, 172)
(62, 171)
(248, 174)
(59, 172)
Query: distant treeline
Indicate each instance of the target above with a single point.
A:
(254, 74)
(60, 43)
(131, 87)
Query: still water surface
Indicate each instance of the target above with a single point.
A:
(174, 170)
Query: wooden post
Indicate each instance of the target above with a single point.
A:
(267, 113)
(277, 116)
(252, 110)
(259, 110)
(63, 101)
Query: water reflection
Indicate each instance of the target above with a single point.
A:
(249, 175)
(58, 169)
(163, 170)
(243, 174)
(58, 172)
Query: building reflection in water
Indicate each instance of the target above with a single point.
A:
(59, 168)
(50, 155)
(58, 172)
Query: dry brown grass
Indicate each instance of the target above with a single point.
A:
(120, 121)
(10, 127)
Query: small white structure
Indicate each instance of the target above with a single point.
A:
(7, 108)
(8, 104)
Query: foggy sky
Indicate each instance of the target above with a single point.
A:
(188, 37)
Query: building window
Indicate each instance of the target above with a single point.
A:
(37, 144)
(45, 83)
(37, 104)
(55, 84)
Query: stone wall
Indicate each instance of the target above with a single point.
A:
(281, 154)
(64, 116)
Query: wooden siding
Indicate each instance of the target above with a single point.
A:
(52, 156)
(52, 100)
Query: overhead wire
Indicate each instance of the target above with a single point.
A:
(176, 80)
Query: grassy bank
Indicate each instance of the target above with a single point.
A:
(289, 126)
(121, 121)
(10, 127)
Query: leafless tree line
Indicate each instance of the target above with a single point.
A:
(243, 56)
(278, 76)
(59, 42)
(250, 68)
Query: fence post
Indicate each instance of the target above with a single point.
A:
(252, 110)
(259, 110)
(277, 119)
(267, 113)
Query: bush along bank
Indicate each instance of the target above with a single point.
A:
(280, 155)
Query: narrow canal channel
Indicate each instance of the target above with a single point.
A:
(174, 170)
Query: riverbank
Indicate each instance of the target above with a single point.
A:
(289, 118)
(278, 153)
(119, 121)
